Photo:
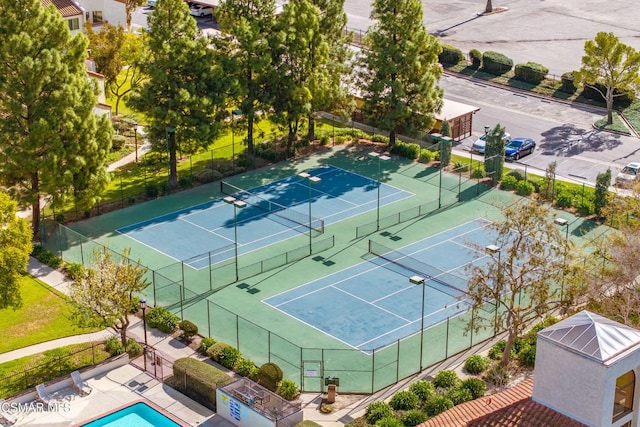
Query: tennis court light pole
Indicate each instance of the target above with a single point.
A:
(237, 204)
(418, 280)
(380, 157)
(310, 180)
(495, 249)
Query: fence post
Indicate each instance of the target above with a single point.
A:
(153, 279)
(373, 371)
(209, 317)
(210, 273)
(398, 361)
(446, 346)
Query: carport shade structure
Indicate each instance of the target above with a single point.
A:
(460, 117)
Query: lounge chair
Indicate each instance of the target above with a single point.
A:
(79, 384)
(43, 394)
(5, 416)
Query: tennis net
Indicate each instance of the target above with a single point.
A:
(289, 215)
(428, 272)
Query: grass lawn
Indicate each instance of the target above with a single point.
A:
(44, 316)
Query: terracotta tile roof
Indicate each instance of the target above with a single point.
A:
(67, 8)
(508, 408)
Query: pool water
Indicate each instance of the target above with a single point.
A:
(137, 415)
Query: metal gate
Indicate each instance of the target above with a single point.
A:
(312, 373)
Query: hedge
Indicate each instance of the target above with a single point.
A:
(198, 380)
(496, 63)
(476, 58)
(450, 55)
(531, 72)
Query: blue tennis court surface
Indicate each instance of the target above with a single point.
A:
(373, 304)
(209, 227)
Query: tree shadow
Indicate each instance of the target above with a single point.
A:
(569, 140)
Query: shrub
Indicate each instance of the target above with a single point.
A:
(461, 167)
(324, 140)
(46, 257)
(509, 183)
(269, 376)
(162, 319)
(476, 58)
(151, 190)
(189, 329)
(497, 376)
(567, 82)
(74, 270)
(478, 172)
(437, 405)
(389, 422)
(524, 188)
(423, 389)
(531, 72)
(496, 63)
(459, 395)
(450, 55)
(380, 138)
(476, 387)
(326, 408)
(476, 364)
(198, 380)
(205, 343)
(527, 355)
(113, 345)
(564, 199)
(446, 379)
(413, 417)
(117, 142)
(288, 389)
(586, 208)
(495, 352)
(404, 400)
(229, 357)
(217, 352)
(519, 174)
(410, 151)
(134, 348)
(246, 368)
(205, 176)
(426, 156)
(377, 411)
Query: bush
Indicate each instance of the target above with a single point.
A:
(380, 138)
(459, 395)
(497, 376)
(413, 417)
(437, 405)
(423, 389)
(446, 379)
(189, 329)
(134, 348)
(389, 422)
(113, 346)
(586, 208)
(269, 376)
(288, 390)
(450, 55)
(527, 355)
(198, 380)
(410, 151)
(162, 319)
(476, 387)
(531, 72)
(478, 172)
(117, 142)
(246, 368)
(524, 188)
(476, 58)
(567, 82)
(46, 257)
(519, 174)
(476, 364)
(426, 156)
(74, 270)
(205, 176)
(151, 190)
(495, 352)
(404, 400)
(461, 167)
(509, 183)
(224, 354)
(205, 343)
(324, 140)
(377, 411)
(496, 63)
(564, 199)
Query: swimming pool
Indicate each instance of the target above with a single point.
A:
(137, 415)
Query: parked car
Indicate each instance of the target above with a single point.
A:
(628, 175)
(201, 10)
(480, 144)
(152, 3)
(519, 147)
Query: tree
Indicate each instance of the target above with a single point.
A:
(603, 181)
(52, 143)
(400, 70)
(494, 154)
(106, 292)
(445, 128)
(298, 50)
(131, 55)
(106, 46)
(15, 247)
(130, 6)
(522, 275)
(611, 63)
(185, 93)
(249, 23)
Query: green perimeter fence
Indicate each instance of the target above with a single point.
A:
(358, 371)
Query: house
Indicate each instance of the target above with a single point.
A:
(585, 375)
(97, 12)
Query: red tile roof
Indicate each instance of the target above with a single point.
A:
(508, 408)
(67, 8)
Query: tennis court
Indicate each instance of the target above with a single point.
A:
(274, 212)
(373, 304)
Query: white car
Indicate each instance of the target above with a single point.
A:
(479, 145)
(628, 175)
(201, 10)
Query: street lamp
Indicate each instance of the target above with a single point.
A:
(486, 132)
(135, 137)
(380, 157)
(143, 305)
(237, 204)
(493, 249)
(563, 223)
(310, 180)
(418, 280)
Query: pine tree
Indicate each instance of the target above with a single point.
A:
(494, 154)
(51, 140)
(15, 247)
(185, 94)
(400, 70)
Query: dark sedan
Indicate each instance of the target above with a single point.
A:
(519, 147)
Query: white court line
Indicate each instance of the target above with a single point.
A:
(206, 229)
(368, 303)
